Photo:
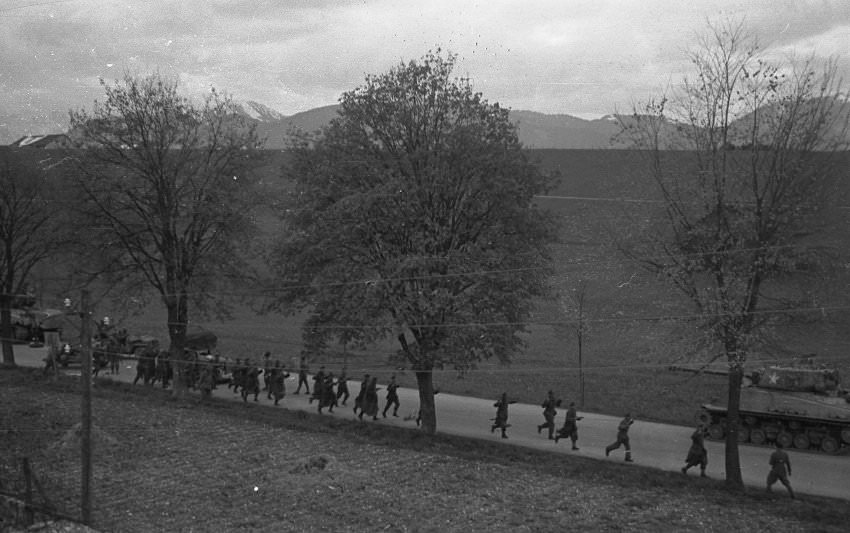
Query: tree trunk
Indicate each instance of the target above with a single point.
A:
(178, 318)
(6, 333)
(733, 460)
(427, 410)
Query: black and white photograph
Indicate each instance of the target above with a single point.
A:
(620, 220)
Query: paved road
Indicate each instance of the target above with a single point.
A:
(661, 446)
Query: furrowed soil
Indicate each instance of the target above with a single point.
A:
(166, 465)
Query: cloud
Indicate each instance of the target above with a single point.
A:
(548, 55)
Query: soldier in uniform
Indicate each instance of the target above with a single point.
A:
(318, 385)
(358, 401)
(302, 375)
(697, 454)
(277, 382)
(549, 406)
(342, 387)
(780, 469)
(570, 428)
(145, 366)
(236, 375)
(622, 438)
(392, 397)
(205, 381)
(267, 373)
(370, 400)
(327, 394)
(164, 372)
(251, 381)
(501, 420)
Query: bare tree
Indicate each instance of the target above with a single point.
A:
(169, 184)
(31, 232)
(761, 146)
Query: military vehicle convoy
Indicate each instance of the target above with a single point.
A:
(800, 406)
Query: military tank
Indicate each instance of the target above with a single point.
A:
(801, 405)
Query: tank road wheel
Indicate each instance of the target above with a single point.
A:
(743, 434)
(758, 436)
(716, 432)
(801, 441)
(845, 435)
(829, 445)
(785, 439)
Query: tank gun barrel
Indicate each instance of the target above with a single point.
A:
(701, 370)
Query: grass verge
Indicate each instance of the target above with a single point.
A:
(164, 465)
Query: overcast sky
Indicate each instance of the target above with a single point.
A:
(586, 58)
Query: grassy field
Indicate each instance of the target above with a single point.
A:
(226, 466)
(631, 337)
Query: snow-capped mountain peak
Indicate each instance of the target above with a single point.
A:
(258, 111)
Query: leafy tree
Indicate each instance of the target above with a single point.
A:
(32, 231)
(413, 219)
(168, 183)
(762, 144)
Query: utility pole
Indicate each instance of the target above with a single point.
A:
(85, 424)
(579, 295)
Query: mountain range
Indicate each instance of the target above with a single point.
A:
(536, 130)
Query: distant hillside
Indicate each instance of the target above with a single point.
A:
(536, 130)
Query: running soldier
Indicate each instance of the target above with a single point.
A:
(164, 371)
(205, 381)
(303, 369)
(697, 454)
(370, 400)
(570, 428)
(318, 385)
(146, 366)
(277, 382)
(267, 373)
(358, 401)
(251, 383)
(780, 469)
(392, 397)
(549, 405)
(501, 420)
(237, 375)
(342, 387)
(327, 395)
(622, 438)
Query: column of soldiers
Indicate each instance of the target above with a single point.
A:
(154, 365)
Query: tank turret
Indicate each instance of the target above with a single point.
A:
(801, 405)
